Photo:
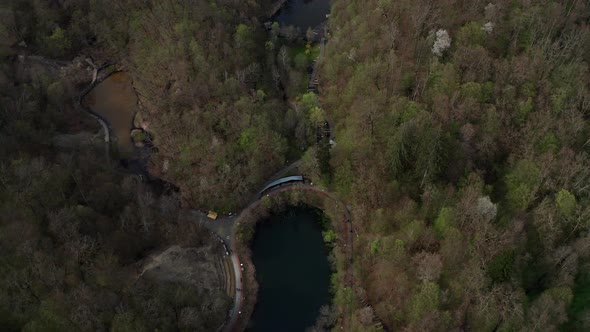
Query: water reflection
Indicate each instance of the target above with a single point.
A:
(303, 13)
(292, 270)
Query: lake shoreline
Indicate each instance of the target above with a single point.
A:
(277, 7)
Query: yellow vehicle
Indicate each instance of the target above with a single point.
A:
(212, 215)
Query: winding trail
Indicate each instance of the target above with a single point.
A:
(239, 297)
(96, 116)
(57, 65)
(313, 80)
(314, 83)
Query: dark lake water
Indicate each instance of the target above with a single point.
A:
(292, 271)
(303, 13)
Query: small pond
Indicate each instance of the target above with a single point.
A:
(303, 13)
(292, 271)
(115, 100)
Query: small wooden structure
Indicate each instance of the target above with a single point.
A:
(212, 215)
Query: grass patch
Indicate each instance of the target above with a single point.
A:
(314, 51)
(139, 136)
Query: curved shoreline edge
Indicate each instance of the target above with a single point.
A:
(339, 215)
(103, 122)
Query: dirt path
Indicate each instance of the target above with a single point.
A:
(103, 123)
(236, 310)
(56, 66)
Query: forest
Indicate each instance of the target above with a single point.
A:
(74, 229)
(462, 147)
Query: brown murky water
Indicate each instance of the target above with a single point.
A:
(115, 100)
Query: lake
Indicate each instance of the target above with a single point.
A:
(115, 100)
(303, 13)
(292, 271)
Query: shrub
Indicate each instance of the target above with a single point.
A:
(444, 221)
(566, 202)
(501, 266)
(522, 183)
(471, 34)
(426, 300)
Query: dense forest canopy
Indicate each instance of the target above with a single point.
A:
(462, 147)
(463, 142)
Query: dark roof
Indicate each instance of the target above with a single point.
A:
(281, 181)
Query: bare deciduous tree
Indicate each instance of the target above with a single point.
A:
(429, 266)
(284, 56)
